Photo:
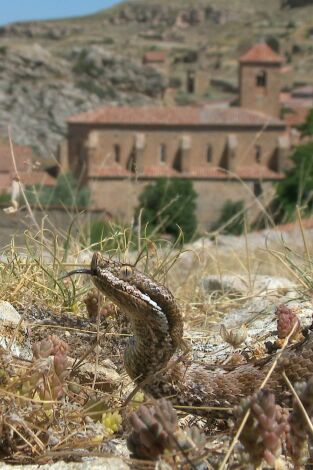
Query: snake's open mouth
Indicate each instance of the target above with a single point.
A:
(79, 271)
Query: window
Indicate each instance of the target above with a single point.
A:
(117, 153)
(132, 162)
(257, 189)
(261, 79)
(258, 153)
(209, 153)
(162, 153)
(190, 82)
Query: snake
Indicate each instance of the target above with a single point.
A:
(151, 356)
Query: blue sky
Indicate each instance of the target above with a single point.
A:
(23, 10)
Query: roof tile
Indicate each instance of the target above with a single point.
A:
(155, 171)
(174, 116)
(261, 53)
(154, 56)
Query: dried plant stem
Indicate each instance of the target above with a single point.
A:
(247, 251)
(307, 251)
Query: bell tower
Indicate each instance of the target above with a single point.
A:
(260, 80)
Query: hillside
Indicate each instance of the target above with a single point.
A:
(52, 69)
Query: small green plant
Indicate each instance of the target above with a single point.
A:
(66, 193)
(5, 198)
(231, 219)
(169, 205)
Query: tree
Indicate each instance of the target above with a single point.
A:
(169, 205)
(297, 187)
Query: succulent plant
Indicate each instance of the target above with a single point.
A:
(155, 431)
(49, 370)
(286, 319)
(94, 305)
(265, 429)
(152, 430)
(112, 421)
(297, 440)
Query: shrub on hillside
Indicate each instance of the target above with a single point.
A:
(169, 206)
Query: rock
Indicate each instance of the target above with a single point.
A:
(107, 378)
(92, 464)
(8, 314)
(258, 316)
(48, 88)
(13, 335)
(260, 284)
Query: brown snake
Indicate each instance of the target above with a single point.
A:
(157, 327)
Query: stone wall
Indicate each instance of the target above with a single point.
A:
(120, 197)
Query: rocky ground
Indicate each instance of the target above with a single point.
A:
(238, 299)
(52, 69)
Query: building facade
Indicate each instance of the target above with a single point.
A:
(229, 153)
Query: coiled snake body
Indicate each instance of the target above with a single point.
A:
(157, 327)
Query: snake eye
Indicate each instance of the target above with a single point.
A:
(126, 272)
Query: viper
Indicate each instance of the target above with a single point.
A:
(151, 355)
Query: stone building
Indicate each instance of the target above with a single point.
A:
(229, 153)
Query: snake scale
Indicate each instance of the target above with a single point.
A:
(157, 328)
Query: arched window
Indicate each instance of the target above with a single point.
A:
(258, 153)
(209, 153)
(162, 154)
(190, 82)
(257, 188)
(117, 153)
(261, 79)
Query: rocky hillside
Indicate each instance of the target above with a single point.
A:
(52, 69)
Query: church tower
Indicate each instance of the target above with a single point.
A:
(260, 80)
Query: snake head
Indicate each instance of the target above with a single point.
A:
(123, 285)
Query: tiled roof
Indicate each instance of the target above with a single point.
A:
(258, 172)
(154, 56)
(261, 53)
(104, 171)
(160, 170)
(304, 91)
(298, 103)
(245, 172)
(175, 116)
